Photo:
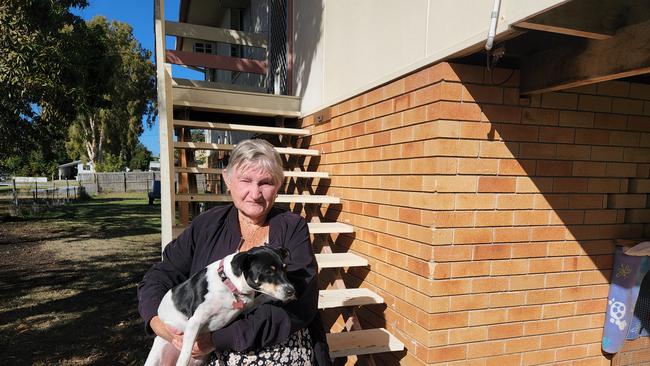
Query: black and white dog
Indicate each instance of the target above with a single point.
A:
(216, 295)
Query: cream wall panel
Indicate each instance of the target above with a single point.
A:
(345, 47)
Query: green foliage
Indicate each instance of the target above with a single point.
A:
(37, 71)
(112, 123)
(141, 158)
(110, 163)
(70, 89)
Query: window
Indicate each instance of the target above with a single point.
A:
(201, 47)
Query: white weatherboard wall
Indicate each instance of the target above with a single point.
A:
(344, 47)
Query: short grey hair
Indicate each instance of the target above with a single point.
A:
(256, 153)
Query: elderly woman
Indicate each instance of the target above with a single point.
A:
(271, 333)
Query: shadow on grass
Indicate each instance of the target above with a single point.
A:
(68, 292)
(100, 218)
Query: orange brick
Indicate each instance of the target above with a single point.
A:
(493, 218)
(475, 201)
(594, 103)
(556, 340)
(452, 253)
(459, 111)
(520, 345)
(450, 184)
(509, 267)
(591, 137)
(523, 313)
(509, 235)
(505, 331)
(517, 167)
(558, 310)
(560, 100)
(492, 251)
(489, 284)
(573, 152)
(548, 233)
(514, 201)
(531, 217)
(500, 113)
(482, 94)
(626, 200)
(478, 166)
(469, 302)
(483, 349)
(606, 153)
(449, 353)
(476, 130)
(529, 250)
(496, 184)
(506, 299)
(451, 91)
(562, 135)
(621, 169)
(426, 95)
(485, 317)
(498, 149)
(627, 106)
(470, 269)
(528, 282)
(541, 327)
(468, 236)
(555, 168)
(538, 116)
(466, 335)
(515, 133)
(537, 151)
(576, 119)
(453, 219)
(570, 353)
(588, 169)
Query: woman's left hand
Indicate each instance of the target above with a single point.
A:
(202, 346)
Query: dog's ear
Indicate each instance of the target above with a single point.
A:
(240, 262)
(283, 252)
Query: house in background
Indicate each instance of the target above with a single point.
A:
(464, 204)
(72, 169)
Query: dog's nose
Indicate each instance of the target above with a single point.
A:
(290, 292)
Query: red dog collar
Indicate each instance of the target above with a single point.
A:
(238, 303)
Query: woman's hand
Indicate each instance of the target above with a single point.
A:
(202, 346)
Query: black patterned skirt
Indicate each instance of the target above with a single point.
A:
(295, 351)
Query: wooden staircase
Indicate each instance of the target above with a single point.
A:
(179, 100)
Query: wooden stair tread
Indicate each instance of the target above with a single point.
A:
(340, 260)
(239, 127)
(362, 342)
(287, 173)
(228, 147)
(282, 198)
(235, 101)
(314, 228)
(347, 297)
(329, 228)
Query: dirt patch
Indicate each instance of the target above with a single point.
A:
(68, 283)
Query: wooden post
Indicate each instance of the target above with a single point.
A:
(15, 194)
(67, 189)
(36, 190)
(124, 181)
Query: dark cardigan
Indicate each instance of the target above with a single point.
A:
(212, 236)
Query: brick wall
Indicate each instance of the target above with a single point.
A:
(488, 219)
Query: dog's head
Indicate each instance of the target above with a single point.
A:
(264, 270)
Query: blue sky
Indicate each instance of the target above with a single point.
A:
(139, 14)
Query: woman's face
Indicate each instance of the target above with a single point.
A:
(253, 191)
